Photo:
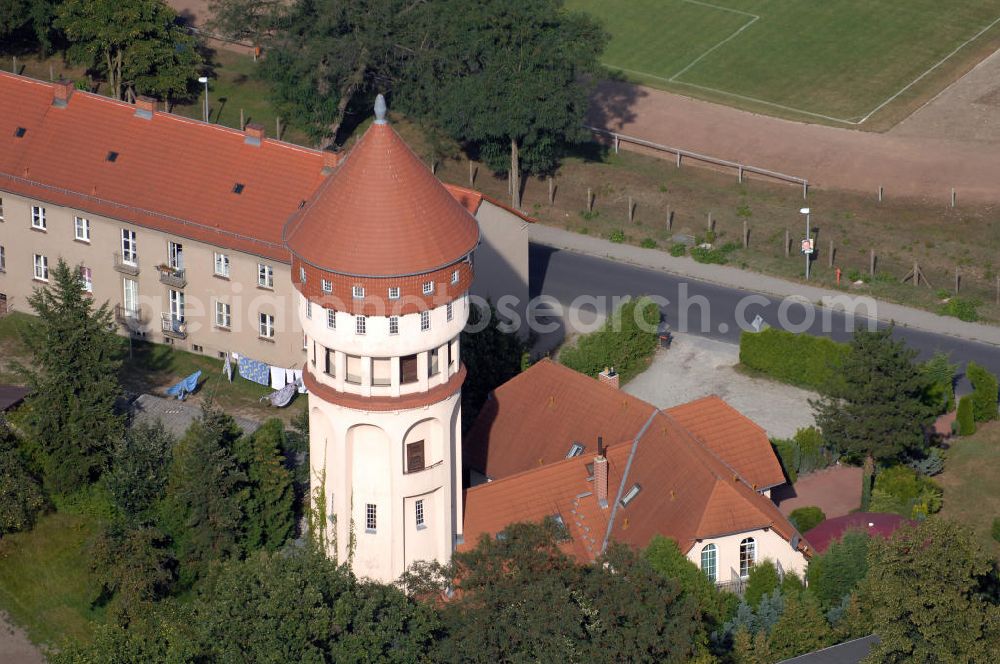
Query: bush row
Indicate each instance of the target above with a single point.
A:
(626, 342)
(798, 359)
(803, 453)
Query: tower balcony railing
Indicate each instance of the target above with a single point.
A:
(126, 267)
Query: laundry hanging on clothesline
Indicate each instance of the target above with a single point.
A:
(254, 371)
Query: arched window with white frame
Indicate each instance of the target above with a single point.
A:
(748, 556)
(709, 562)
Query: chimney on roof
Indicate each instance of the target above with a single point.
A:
(609, 377)
(62, 90)
(601, 475)
(145, 107)
(330, 160)
(254, 134)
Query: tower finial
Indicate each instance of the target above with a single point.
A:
(380, 110)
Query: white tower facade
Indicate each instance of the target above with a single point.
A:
(381, 259)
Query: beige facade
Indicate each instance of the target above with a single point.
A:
(731, 554)
(502, 262)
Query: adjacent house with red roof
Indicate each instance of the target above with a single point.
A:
(553, 443)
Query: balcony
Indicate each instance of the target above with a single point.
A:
(172, 276)
(173, 327)
(126, 267)
(128, 317)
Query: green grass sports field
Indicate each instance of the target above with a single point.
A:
(839, 60)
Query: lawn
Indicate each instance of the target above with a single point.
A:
(971, 482)
(45, 582)
(836, 61)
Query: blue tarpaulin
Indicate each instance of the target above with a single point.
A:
(185, 387)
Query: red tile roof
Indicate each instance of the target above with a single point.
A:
(534, 418)
(382, 213)
(172, 173)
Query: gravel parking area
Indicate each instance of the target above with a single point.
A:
(695, 367)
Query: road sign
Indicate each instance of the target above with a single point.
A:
(757, 323)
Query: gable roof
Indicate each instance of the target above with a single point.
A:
(534, 418)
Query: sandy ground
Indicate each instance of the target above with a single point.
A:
(15, 648)
(696, 367)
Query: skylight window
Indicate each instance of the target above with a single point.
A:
(575, 450)
(112, 156)
(631, 494)
(238, 188)
(20, 132)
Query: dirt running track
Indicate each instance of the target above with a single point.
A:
(954, 141)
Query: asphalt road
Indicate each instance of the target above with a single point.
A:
(566, 276)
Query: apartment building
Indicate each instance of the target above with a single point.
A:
(176, 223)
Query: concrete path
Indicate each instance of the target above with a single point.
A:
(736, 278)
(15, 648)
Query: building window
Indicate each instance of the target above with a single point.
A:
(3, 259)
(393, 324)
(331, 362)
(265, 275)
(1, 208)
(86, 279)
(309, 309)
(408, 369)
(222, 265)
(450, 311)
(358, 292)
(454, 277)
(302, 275)
(371, 518)
(331, 319)
(327, 286)
(418, 508)
(266, 330)
(428, 287)
(129, 255)
(415, 456)
(81, 229)
(425, 321)
(223, 314)
(393, 292)
(433, 363)
(41, 267)
(708, 562)
(630, 495)
(175, 255)
(360, 324)
(748, 556)
(38, 217)
(131, 298)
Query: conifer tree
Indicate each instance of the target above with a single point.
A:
(270, 516)
(73, 377)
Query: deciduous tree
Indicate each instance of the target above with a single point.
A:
(137, 475)
(21, 496)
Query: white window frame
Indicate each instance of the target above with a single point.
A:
(81, 229)
(265, 276)
(748, 556)
(371, 518)
(265, 325)
(454, 277)
(425, 321)
(327, 286)
(331, 319)
(221, 265)
(393, 292)
(87, 279)
(3, 259)
(450, 311)
(177, 305)
(710, 562)
(427, 288)
(41, 267)
(393, 324)
(223, 314)
(419, 513)
(358, 292)
(132, 300)
(361, 325)
(38, 217)
(175, 255)
(129, 254)
(1, 208)
(302, 275)
(309, 309)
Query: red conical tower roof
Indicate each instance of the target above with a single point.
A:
(381, 213)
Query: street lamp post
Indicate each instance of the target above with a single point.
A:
(807, 246)
(204, 81)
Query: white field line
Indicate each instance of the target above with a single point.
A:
(754, 18)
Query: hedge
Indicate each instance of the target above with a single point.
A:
(621, 342)
(797, 359)
(802, 454)
(807, 518)
(984, 393)
(965, 417)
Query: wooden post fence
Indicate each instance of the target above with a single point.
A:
(472, 173)
(670, 220)
(746, 234)
(958, 280)
(829, 255)
(631, 210)
(953, 197)
(710, 226)
(552, 190)
(871, 262)
(788, 244)
(590, 199)
(880, 192)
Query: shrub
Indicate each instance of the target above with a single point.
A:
(965, 416)
(797, 359)
(802, 454)
(648, 243)
(930, 465)
(622, 342)
(995, 530)
(940, 374)
(834, 573)
(762, 580)
(788, 454)
(715, 255)
(984, 393)
(807, 518)
(902, 491)
(617, 236)
(962, 308)
(678, 249)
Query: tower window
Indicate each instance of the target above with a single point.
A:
(327, 286)
(309, 309)
(415, 456)
(425, 321)
(454, 277)
(450, 311)
(361, 323)
(428, 287)
(408, 369)
(358, 292)
(418, 508)
(331, 319)
(393, 292)
(302, 275)
(393, 324)
(371, 518)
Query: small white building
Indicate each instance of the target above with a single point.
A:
(382, 264)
